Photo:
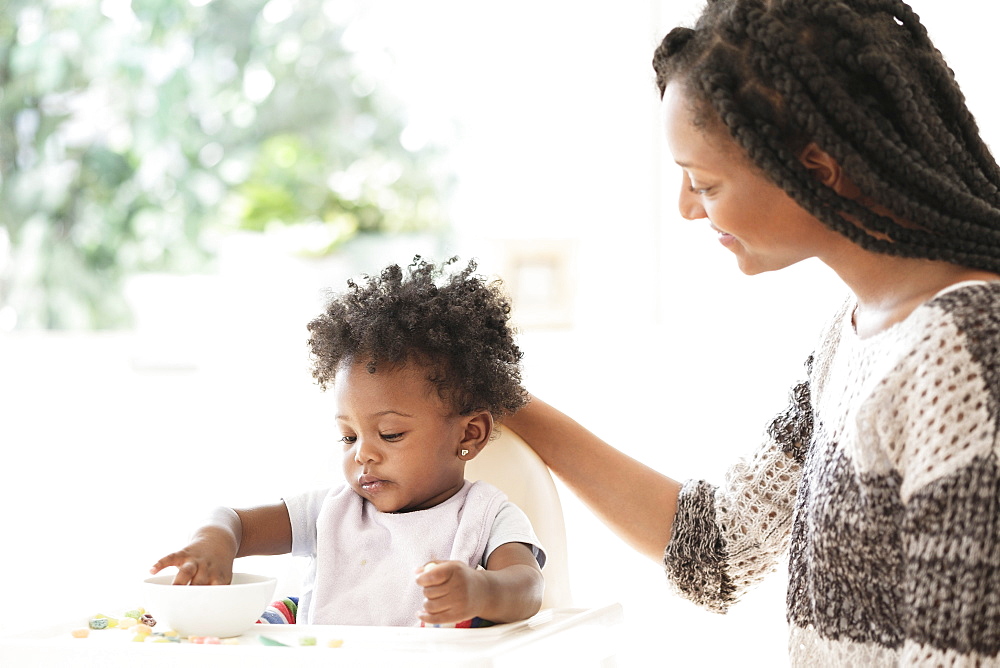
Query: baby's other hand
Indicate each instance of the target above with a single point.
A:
(453, 592)
(203, 562)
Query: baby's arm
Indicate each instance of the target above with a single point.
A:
(509, 590)
(229, 533)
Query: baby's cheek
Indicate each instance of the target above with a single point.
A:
(348, 460)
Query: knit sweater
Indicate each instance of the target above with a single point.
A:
(881, 479)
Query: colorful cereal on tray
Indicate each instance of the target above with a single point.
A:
(130, 619)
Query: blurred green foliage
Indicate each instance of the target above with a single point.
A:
(133, 134)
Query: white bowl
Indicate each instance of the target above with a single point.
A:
(222, 611)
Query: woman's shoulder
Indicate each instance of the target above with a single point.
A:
(960, 321)
(972, 306)
(937, 403)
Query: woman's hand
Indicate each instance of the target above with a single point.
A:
(637, 502)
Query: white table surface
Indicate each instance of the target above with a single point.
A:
(554, 637)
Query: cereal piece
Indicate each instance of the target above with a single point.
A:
(140, 637)
(336, 642)
(135, 614)
(230, 641)
(80, 633)
(172, 634)
(127, 622)
(148, 620)
(142, 630)
(307, 641)
(212, 640)
(98, 622)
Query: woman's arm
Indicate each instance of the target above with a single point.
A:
(229, 533)
(637, 502)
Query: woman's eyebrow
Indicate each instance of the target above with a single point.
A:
(688, 165)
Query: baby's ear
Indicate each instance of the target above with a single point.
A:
(478, 430)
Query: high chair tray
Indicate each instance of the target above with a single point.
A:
(561, 636)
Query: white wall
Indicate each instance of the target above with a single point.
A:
(676, 357)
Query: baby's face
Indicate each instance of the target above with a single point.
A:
(401, 441)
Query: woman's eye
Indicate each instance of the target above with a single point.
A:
(391, 437)
(348, 440)
(696, 189)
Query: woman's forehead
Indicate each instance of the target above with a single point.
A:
(693, 143)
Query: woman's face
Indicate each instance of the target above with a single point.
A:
(401, 441)
(753, 218)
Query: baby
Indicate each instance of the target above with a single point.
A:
(423, 366)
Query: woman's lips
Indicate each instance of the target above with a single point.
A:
(724, 237)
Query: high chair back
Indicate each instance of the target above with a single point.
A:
(511, 465)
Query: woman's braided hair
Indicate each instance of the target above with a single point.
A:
(455, 325)
(862, 80)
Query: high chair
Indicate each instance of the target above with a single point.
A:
(509, 464)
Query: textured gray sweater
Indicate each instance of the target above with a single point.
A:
(882, 479)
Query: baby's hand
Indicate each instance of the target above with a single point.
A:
(453, 592)
(203, 562)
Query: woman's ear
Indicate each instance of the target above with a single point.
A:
(478, 430)
(825, 169)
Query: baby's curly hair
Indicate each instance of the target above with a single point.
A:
(454, 324)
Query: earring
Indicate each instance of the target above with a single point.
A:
(463, 452)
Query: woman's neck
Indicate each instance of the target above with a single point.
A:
(889, 289)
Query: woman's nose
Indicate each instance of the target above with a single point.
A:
(689, 203)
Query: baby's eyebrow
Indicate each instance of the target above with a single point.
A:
(391, 412)
(388, 411)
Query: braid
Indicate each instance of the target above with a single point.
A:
(943, 79)
(861, 79)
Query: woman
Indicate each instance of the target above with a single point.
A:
(835, 130)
